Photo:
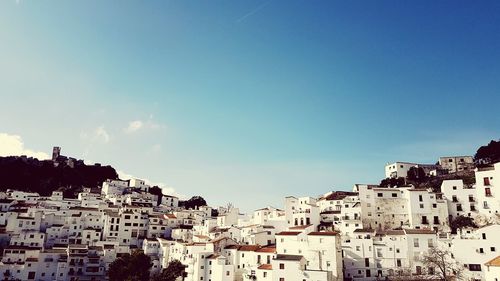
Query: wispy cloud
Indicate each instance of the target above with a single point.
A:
(253, 12)
(137, 125)
(102, 134)
(99, 134)
(13, 145)
(134, 126)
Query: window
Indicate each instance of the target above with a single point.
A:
(481, 250)
(421, 206)
(282, 266)
(493, 249)
(418, 269)
(483, 235)
(431, 270)
(486, 181)
(380, 194)
(424, 220)
(367, 262)
(474, 267)
(487, 191)
(454, 188)
(394, 195)
(420, 198)
(379, 253)
(415, 243)
(430, 243)
(398, 262)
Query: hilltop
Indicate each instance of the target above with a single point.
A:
(45, 176)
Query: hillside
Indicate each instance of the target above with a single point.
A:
(30, 174)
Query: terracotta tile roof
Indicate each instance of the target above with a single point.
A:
(232, 247)
(494, 262)
(390, 232)
(290, 233)
(265, 266)
(300, 226)
(249, 248)
(267, 249)
(419, 231)
(324, 233)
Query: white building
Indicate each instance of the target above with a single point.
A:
(454, 164)
(461, 199)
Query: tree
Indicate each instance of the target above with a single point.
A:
(193, 203)
(488, 154)
(134, 267)
(416, 174)
(174, 270)
(461, 222)
(155, 190)
(444, 266)
(391, 182)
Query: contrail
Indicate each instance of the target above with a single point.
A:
(252, 12)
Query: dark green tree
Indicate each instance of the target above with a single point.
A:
(416, 175)
(174, 270)
(461, 222)
(193, 203)
(155, 190)
(488, 154)
(391, 182)
(134, 267)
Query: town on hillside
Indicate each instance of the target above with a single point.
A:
(423, 221)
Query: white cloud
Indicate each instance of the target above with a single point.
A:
(168, 190)
(134, 126)
(13, 145)
(101, 134)
(98, 135)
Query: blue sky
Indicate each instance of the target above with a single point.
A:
(250, 101)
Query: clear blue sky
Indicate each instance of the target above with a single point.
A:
(250, 101)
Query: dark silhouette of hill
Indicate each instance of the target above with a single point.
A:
(30, 174)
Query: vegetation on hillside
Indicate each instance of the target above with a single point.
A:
(174, 270)
(488, 154)
(30, 174)
(193, 203)
(130, 267)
